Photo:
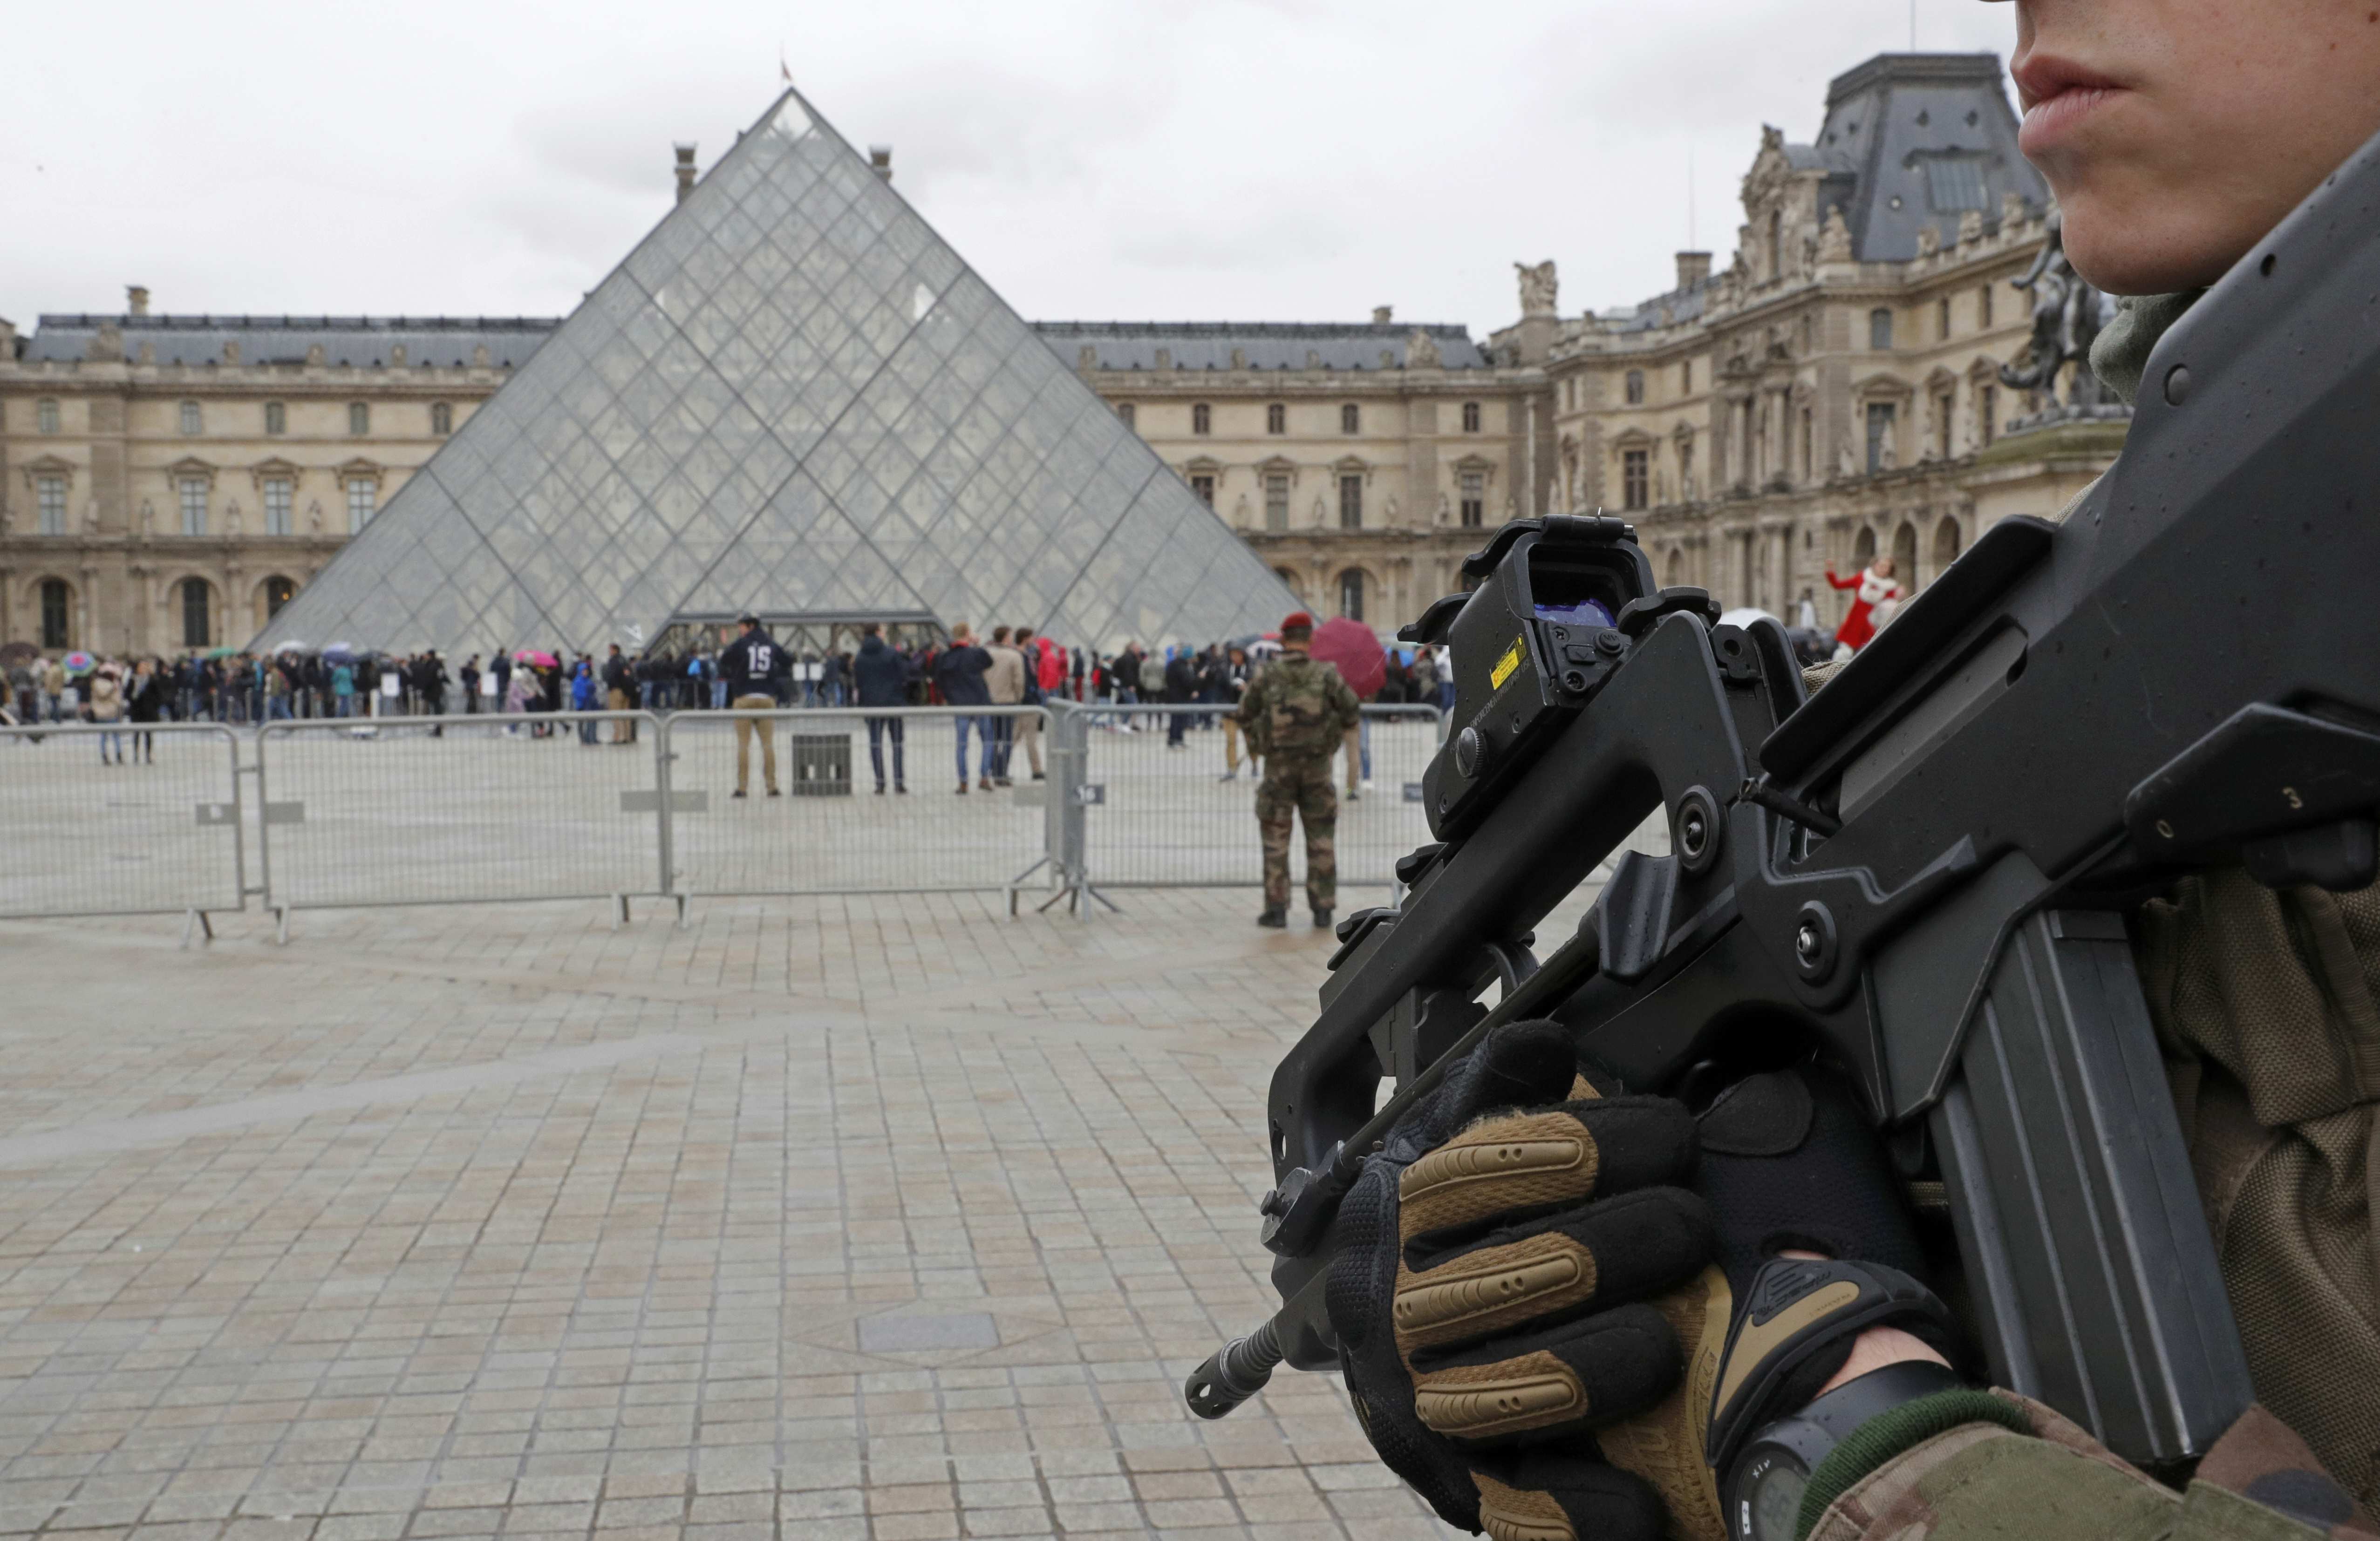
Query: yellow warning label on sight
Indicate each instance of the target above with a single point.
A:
(1505, 665)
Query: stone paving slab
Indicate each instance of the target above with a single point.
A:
(864, 1218)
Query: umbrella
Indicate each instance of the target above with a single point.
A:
(79, 663)
(292, 647)
(530, 655)
(339, 653)
(220, 653)
(1354, 649)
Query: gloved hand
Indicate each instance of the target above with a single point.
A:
(1527, 1322)
(1491, 1293)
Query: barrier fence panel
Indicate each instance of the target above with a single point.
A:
(412, 811)
(832, 832)
(1163, 807)
(160, 833)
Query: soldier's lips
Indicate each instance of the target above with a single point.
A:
(2059, 97)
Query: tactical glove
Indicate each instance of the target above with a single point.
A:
(1491, 1294)
(1527, 1323)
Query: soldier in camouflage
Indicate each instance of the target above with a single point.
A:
(1295, 713)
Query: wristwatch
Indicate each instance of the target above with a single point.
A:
(1762, 1489)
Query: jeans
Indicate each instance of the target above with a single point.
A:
(111, 736)
(879, 729)
(277, 708)
(982, 726)
(1173, 730)
(1003, 742)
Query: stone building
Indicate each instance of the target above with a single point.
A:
(167, 482)
(1361, 461)
(1836, 391)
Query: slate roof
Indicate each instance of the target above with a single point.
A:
(1892, 123)
(443, 341)
(1266, 345)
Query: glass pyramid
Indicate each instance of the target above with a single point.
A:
(792, 398)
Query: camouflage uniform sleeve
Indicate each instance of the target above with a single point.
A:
(1251, 710)
(1344, 704)
(1982, 1480)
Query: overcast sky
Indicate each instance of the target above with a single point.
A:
(1253, 160)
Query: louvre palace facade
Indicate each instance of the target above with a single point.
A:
(1831, 391)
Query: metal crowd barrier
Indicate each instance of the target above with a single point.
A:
(1166, 797)
(157, 834)
(435, 810)
(845, 824)
(480, 809)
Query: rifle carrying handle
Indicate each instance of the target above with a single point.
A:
(1236, 1371)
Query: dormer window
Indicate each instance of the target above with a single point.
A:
(1954, 184)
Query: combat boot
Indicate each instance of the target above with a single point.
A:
(1322, 920)
(1275, 915)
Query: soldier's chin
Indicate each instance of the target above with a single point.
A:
(2155, 249)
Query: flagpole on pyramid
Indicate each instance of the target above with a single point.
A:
(784, 71)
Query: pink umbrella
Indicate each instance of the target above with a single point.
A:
(531, 655)
(1355, 650)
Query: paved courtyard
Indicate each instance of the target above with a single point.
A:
(867, 1217)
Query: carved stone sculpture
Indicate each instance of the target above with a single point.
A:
(1538, 288)
(1421, 349)
(1835, 237)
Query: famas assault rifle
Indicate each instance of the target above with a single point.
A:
(1923, 873)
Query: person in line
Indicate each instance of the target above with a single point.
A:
(882, 677)
(1295, 713)
(619, 694)
(468, 678)
(753, 669)
(1045, 672)
(1180, 682)
(1005, 681)
(1236, 675)
(144, 703)
(959, 672)
(583, 698)
(106, 709)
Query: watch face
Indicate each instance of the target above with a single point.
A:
(1768, 1497)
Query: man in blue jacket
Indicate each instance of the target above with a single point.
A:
(958, 674)
(882, 678)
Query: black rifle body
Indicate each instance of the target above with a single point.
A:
(1924, 872)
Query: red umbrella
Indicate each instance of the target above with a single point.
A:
(1355, 650)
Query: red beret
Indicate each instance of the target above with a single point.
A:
(1297, 620)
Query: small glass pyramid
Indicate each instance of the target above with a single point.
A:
(792, 398)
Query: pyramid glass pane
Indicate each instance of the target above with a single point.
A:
(792, 397)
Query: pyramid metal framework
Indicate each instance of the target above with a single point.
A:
(792, 397)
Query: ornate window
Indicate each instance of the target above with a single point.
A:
(1123, 410)
(1945, 544)
(57, 613)
(1635, 387)
(1685, 377)
(1474, 499)
(278, 591)
(1276, 418)
(363, 502)
(1987, 414)
(1351, 502)
(50, 504)
(196, 631)
(442, 419)
(1470, 417)
(191, 422)
(1984, 307)
(276, 418)
(1685, 466)
(1350, 594)
(45, 414)
(1202, 418)
(277, 499)
(1879, 329)
(1203, 483)
(358, 417)
(1350, 418)
(192, 493)
(1945, 403)
(1942, 320)
(1636, 477)
(1277, 500)
(1880, 416)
